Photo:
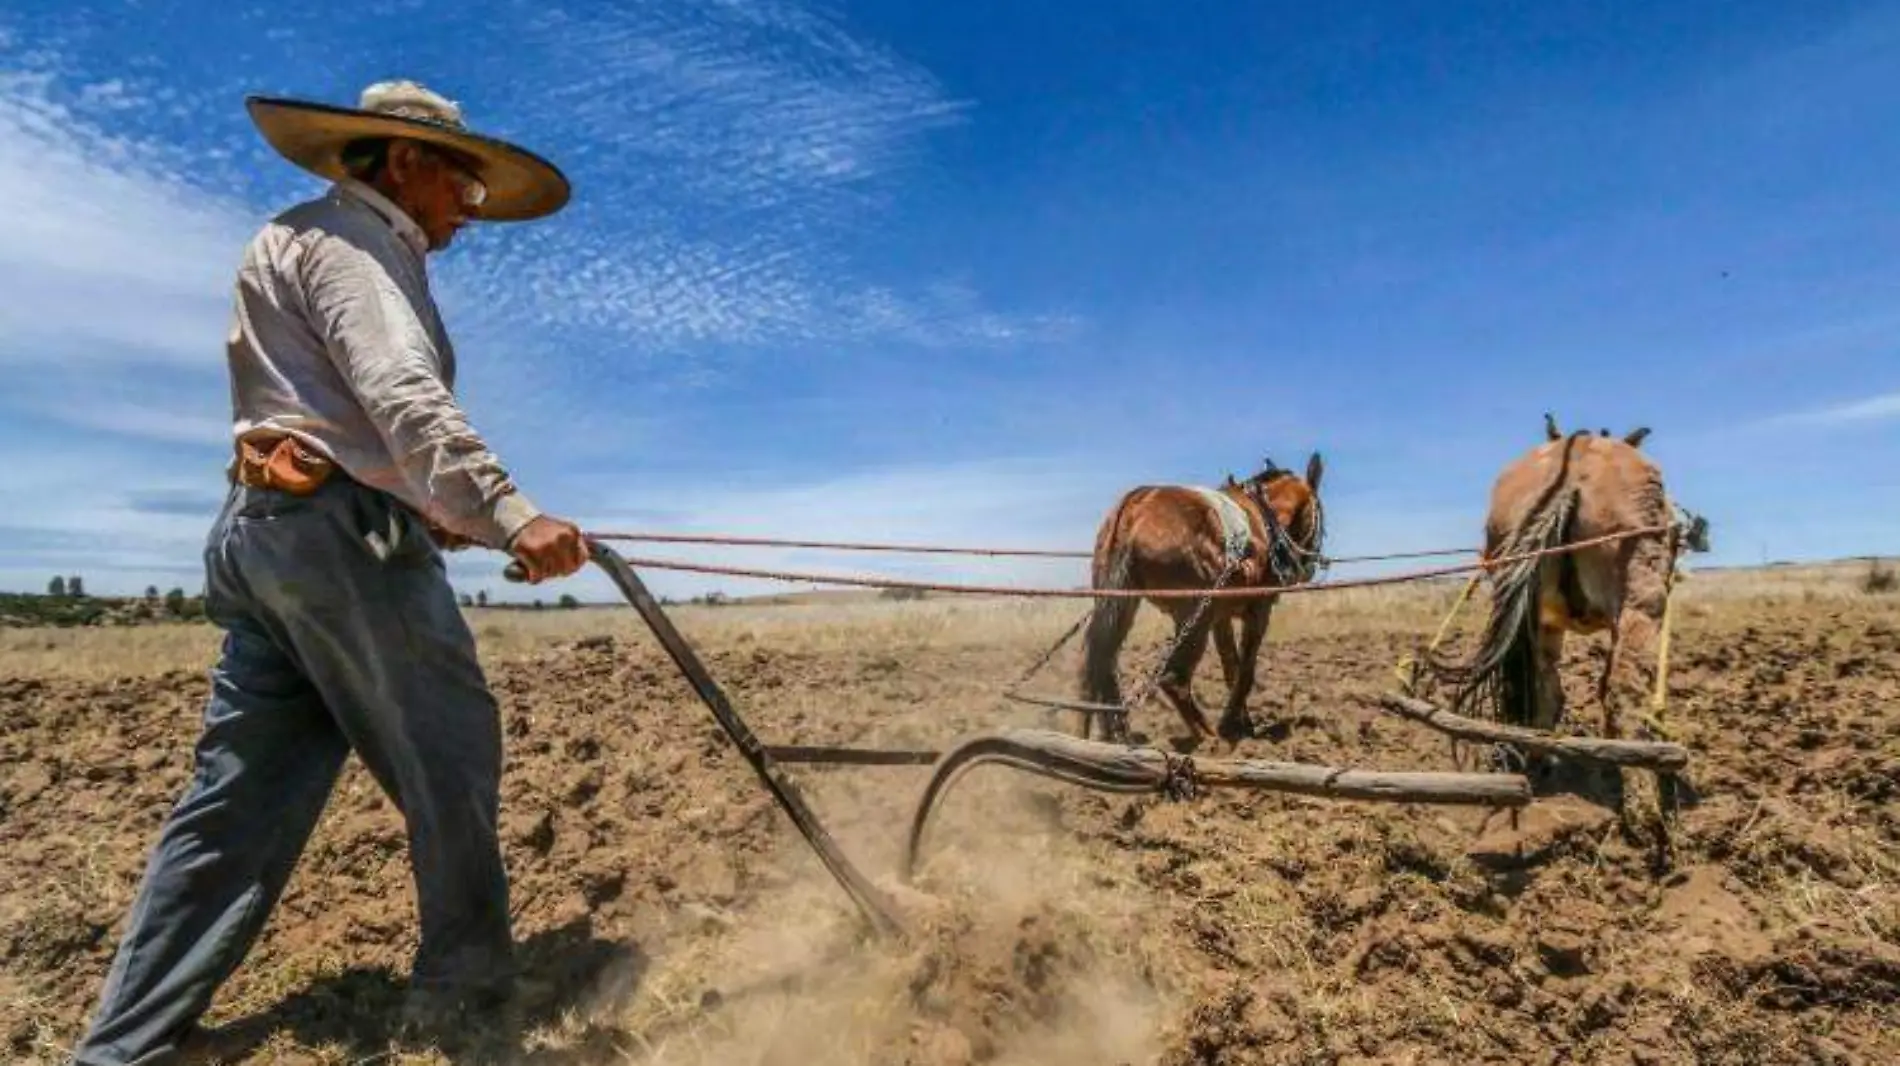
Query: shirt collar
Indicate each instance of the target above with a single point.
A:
(386, 209)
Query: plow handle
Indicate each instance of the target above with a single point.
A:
(870, 901)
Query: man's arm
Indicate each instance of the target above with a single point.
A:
(378, 342)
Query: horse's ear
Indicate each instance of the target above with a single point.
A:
(1550, 427)
(1315, 469)
(1635, 437)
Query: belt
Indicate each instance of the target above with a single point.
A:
(272, 460)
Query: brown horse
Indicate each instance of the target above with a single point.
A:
(1265, 531)
(1564, 491)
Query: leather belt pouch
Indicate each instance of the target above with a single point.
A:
(282, 463)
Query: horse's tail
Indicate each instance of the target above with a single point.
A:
(1112, 618)
(1500, 680)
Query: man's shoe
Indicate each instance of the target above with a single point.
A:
(214, 1047)
(459, 1016)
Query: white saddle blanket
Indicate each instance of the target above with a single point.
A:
(1236, 532)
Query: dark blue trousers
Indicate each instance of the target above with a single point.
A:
(341, 634)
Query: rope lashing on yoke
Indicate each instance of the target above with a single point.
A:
(1179, 784)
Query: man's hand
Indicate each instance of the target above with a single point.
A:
(549, 547)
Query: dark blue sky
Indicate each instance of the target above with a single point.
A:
(965, 271)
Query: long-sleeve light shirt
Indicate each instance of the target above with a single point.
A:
(337, 341)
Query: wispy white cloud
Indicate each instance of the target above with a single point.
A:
(106, 255)
(947, 315)
(1871, 409)
(723, 154)
(726, 157)
(754, 104)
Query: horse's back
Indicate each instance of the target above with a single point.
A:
(1163, 526)
(1168, 511)
(1620, 488)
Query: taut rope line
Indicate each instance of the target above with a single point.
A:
(1240, 593)
(736, 541)
(731, 540)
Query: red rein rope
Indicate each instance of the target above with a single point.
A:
(936, 549)
(834, 545)
(862, 581)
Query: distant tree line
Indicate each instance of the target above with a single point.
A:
(67, 603)
(480, 599)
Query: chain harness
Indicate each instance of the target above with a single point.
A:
(1283, 560)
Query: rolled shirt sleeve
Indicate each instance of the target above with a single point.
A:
(378, 342)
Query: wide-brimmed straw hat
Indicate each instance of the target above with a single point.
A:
(521, 185)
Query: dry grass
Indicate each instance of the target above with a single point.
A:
(827, 626)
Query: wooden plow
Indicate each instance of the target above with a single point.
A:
(1121, 768)
(1107, 767)
(1667, 760)
(1660, 756)
(1058, 756)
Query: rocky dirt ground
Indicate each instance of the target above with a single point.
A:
(677, 918)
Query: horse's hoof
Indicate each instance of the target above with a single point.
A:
(1236, 728)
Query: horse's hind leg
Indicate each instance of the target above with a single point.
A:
(1107, 631)
(1224, 645)
(1177, 678)
(1233, 723)
(1546, 698)
(1630, 675)
(1549, 707)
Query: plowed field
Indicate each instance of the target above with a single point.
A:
(674, 916)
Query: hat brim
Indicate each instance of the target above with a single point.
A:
(521, 185)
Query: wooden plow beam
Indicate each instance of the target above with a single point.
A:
(1660, 756)
(1121, 768)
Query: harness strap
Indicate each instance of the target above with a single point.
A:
(1282, 554)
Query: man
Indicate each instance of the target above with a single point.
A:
(355, 467)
